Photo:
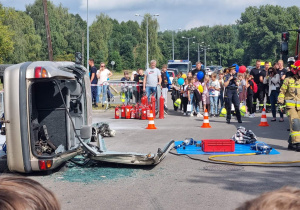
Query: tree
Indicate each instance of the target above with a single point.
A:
(100, 32)
(115, 56)
(27, 44)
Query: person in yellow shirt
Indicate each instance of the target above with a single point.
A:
(290, 96)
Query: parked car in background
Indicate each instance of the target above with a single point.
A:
(173, 70)
(171, 75)
(183, 66)
(209, 70)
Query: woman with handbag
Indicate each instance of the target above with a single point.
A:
(273, 79)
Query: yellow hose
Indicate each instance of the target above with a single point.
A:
(212, 158)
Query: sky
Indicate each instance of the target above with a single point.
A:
(173, 14)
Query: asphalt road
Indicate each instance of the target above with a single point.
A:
(177, 182)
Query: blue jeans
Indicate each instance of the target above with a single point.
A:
(95, 97)
(149, 91)
(103, 90)
(273, 101)
(213, 104)
(191, 101)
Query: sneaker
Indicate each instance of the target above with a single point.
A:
(240, 121)
(214, 115)
(192, 115)
(251, 116)
(113, 99)
(211, 115)
(184, 113)
(199, 115)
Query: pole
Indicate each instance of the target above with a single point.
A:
(198, 53)
(87, 37)
(188, 49)
(173, 43)
(204, 57)
(147, 64)
(82, 47)
(48, 32)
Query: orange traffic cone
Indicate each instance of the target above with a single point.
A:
(151, 121)
(263, 120)
(205, 120)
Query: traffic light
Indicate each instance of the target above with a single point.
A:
(285, 36)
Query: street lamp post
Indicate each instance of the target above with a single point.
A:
(198, 50)
(205, 48)
(147, 17)
(188, 38)
(87, 36)
(173, 50)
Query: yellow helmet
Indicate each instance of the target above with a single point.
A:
(123, 97)
(223, 112)
(177, 102)
(183, 76)
(243, 110)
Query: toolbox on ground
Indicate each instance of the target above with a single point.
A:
(217, 145)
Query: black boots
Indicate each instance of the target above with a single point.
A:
(294, 147)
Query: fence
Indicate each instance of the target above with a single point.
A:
(120, 92)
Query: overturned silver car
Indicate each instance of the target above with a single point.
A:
(48, 119)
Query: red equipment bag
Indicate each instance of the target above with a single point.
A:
(218, 145)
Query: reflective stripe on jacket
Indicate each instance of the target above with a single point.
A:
(290, 92)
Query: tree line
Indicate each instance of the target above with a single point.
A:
(255, 35)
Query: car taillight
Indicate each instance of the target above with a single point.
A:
(40, 72)
(45, 164)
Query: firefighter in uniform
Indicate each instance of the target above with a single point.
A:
(231, 94)
(290, 95)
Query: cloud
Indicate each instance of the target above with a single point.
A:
(173, 14)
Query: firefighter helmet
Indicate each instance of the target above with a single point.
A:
(177, 102)
(296, 67)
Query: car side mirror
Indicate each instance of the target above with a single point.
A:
(86, 132)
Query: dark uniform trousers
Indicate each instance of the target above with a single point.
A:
(231, 96)
(260, 96)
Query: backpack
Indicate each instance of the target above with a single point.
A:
(255, 88)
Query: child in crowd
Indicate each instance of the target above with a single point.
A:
(197, 97)
(205, 94)
(249, 100)
(176, 91)
(191, 89)
(221, 95)
(214, 91)
(242, 88)
(184, 92)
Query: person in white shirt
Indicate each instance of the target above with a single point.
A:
(214, 91)
(103, 74)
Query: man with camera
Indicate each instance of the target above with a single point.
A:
(231, 94)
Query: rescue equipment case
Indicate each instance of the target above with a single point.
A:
(217, 145)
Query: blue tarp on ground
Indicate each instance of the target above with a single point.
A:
(239, 149)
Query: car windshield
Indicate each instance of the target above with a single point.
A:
(212, 68)
(180, 67)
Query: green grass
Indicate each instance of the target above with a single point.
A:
(119, 75)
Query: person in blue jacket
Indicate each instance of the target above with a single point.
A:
(165, 83)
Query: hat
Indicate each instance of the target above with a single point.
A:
(134, 72)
